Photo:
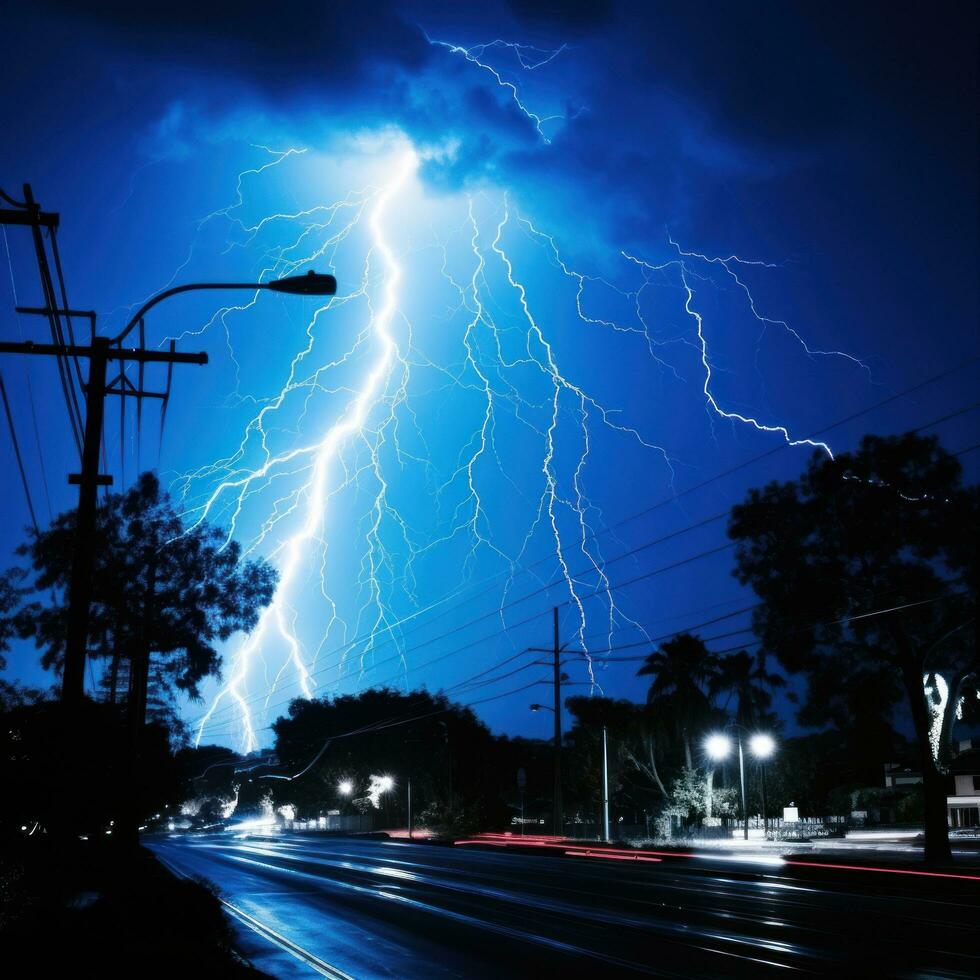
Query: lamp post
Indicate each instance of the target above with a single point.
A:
(717, 748)
(89, 480)
(761, 745)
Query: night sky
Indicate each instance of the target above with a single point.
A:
(538, 200)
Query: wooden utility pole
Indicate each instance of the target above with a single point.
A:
(99, 352)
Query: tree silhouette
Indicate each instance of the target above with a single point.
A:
(745, 678)
(447, 752)
(159, 590)
(683, 671)
(890, 531)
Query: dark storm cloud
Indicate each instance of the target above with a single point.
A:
(286, 45)
(774, 74)
(680, 97)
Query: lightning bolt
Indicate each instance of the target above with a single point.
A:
(529, 59)
(505, 372)
(280, 615)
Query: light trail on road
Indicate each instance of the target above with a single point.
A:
(375, 907)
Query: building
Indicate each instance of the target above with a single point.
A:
(897, 775)
(963, 806)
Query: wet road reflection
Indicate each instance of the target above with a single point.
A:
(377, 908)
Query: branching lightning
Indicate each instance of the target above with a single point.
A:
(351, 425)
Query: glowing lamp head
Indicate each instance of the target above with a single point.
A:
(762, 746)
(345, 787)
(717, 747)
(386, 783)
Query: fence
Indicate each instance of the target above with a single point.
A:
(347, 824)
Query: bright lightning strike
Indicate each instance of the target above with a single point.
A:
(280, 615)
(451, 437)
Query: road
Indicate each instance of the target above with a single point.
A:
(377, 908)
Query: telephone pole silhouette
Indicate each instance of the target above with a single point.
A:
(555, 650)
(100, 352)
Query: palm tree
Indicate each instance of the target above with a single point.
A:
(745, 678)
(683, 672)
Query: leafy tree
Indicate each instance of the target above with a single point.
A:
(746, 679)
(689, 797)
(888, 530)
(10, 597)
(632, 746)
(443, 748)
(683, 671)
(159, 589)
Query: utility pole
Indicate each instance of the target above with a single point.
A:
(557, 817)
(605, 786)
(99, 352)
(409, 807)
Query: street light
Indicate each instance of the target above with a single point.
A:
(541, 707)
(345, 787)
(718, 747)
(80, 589)
(761, 745)
(312, 284)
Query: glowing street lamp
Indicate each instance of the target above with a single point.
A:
(718, 747)
(345, 787)
(761, 745)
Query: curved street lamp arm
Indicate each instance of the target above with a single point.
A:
(173, 291)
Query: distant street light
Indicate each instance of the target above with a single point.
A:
(345, 787)
(541, 707)
(761, 745)
(718, 747)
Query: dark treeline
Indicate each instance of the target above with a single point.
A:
(865, 571)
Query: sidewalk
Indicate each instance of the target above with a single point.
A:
(899, 846)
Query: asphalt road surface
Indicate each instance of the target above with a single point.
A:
(375, 908)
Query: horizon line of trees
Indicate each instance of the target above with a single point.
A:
(865, 568)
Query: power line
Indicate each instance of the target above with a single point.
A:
(27, 379)
(609, 587)
(398, 720)
(832, 622)
(388, 631)
(20, 461)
